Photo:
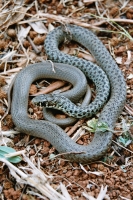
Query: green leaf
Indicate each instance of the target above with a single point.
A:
(93, 125)
(88, 129)
(102, 126)
(124, 140)
(5, 150)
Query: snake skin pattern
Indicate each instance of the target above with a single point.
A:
(53, 133)
(65, 105)
(48, 113)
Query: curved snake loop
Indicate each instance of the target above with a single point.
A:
(53, 133)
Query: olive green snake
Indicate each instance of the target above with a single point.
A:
(109, 114)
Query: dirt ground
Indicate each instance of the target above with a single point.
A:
(41, 174)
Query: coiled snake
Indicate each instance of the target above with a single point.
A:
(53, 133)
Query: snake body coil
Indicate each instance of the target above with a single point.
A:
(53, 133)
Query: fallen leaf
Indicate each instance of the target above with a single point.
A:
(23, 32)
(10, 17)
(38, 27)
(118, 60)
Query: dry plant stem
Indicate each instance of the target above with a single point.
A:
(67, 129)
(9, 155)
(71, 131)
(24, 50)
(33, 45)
(79, 133)
(46, 189)
(65, 192)
(129, 109)
(60, 19)
(30, 163)
(130, 21)
(104, 164)
(68, 20)
(65, 88)
(51, 87)
(122, 146)
(11, 71)
(76, 11)
(63, 154)
(101, 195)
(124, 198)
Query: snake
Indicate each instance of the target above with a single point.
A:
(68, 121)
(109, 114)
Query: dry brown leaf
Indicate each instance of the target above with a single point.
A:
(11, 17)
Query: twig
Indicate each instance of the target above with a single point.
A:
(71, 131)
(76, 10)
(24, 50)
(129, 109)
(130, 21)
(11, 71)
(42, 186)
(122, 146)
(33, 45)
(59, 18)
(75, 21)
(51, 87)
(65, 88)
(17, 153)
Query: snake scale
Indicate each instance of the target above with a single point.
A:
(53, 133)
(68, 121)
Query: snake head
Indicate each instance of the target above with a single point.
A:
(44, 100)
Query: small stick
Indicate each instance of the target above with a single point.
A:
(122, 146)
(59, 18)
(129, 109)
(114, 20)
(33, 45)
(51, 87)
(9, 155)
(65, 88)
(71, 131)
(68, 20)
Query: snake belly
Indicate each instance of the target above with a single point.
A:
(53, 133)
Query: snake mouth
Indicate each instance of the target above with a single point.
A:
(44, 101)
(39, 100)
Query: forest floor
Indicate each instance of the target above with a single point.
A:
(41, 173)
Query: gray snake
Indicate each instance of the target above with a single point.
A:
(53, 133)
(68, 121)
